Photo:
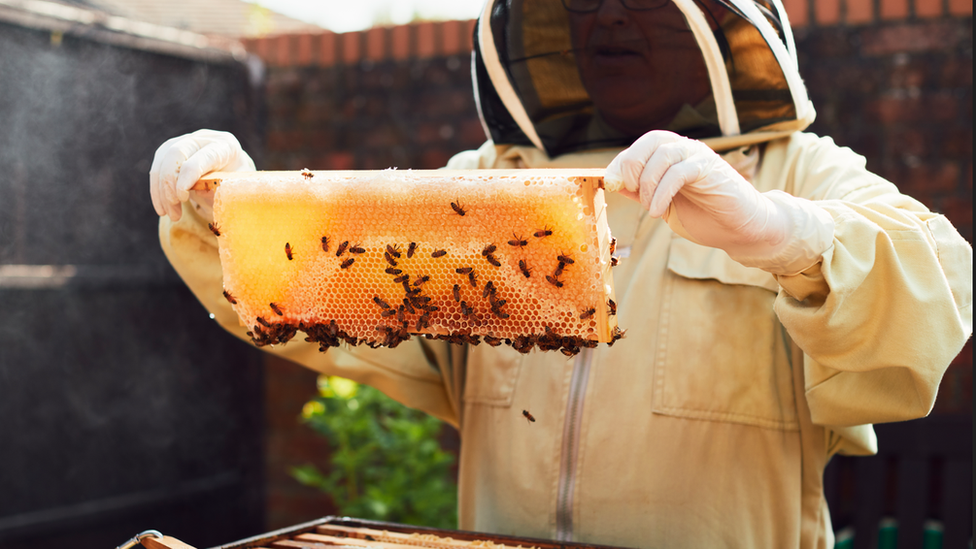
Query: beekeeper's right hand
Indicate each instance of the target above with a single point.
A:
(181, 161)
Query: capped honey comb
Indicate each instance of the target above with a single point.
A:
(520, 257)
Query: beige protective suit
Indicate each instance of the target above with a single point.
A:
(710, 424)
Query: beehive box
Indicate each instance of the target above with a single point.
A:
(520, 257)
(345, 532)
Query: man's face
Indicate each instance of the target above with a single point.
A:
(639, 67)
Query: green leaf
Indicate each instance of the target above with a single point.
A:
(386, 462)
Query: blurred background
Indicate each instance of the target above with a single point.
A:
(125, 408)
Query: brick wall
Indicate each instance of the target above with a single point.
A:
(394, 96)
(892, 79)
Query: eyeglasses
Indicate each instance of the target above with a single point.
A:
(590, 6)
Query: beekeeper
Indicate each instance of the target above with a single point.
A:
(779, 298)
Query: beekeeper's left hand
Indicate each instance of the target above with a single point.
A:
(705, 200)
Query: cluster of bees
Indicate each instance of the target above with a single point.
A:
(419, 307)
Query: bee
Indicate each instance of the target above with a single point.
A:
(616, 334)
(400, 313)
(544, 232)
(613, 245)
(554, 281)
(388, 312)
(411, 249)
(489, 249)
(420, 301)
(498, 312)
(489, 289)
(347, 263)
(465, 310)
(614, 261)
(393, 250)
(565, 259)
(307, 174)
(569, 351)
(406, 286)
(491, 259)
(357, 250)
(342, 248)
(431, 308)
(523, 344)
(524, 267)
(498, 304)
(423, 321)
(612, 306)
(421, 280)
(229, 297)
(528, 416)
(463, 270)
(392, 271)
(276, 309)
(438, 253)
(473, 279)
(559, 269)
(518, 241)
(493, 341)
(389, 259)
(401, 278)
(380, 302)
(587, 313)
(263, 322)
(214, 229)
(325, 243)
(288, 251)
(456, 206)
(457, 293)
(408, 306)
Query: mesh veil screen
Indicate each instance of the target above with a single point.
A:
(536, 49)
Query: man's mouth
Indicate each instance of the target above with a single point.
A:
(614, 51)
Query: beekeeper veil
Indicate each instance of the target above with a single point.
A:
(543, 76)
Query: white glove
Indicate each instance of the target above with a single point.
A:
(181, 161)
(705, 200)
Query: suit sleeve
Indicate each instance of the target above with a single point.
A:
(417, 373)
(889, 307)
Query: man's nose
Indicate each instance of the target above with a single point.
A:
(612, 13)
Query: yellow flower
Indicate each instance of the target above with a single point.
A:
(344, 388)
(312, 408)
(323, 384)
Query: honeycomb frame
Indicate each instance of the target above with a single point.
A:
(520, 257)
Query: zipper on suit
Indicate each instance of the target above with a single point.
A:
(569, 451)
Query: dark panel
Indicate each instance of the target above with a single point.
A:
(124, 406)
(923, 472)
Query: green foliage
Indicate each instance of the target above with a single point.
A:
(386, 462)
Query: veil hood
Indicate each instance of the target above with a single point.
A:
(529, 91)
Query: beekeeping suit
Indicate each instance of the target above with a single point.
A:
(747, 362)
